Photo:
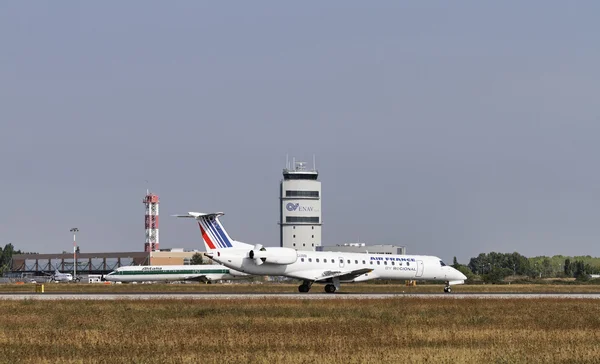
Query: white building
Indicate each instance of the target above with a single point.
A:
(300, 208)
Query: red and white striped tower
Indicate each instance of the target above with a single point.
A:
(151, 202)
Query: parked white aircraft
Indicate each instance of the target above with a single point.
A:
(166, 273)
(330, 268)
(60, 277)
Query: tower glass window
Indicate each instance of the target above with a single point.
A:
(301, 193)
(302, 219)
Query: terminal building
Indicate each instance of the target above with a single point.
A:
(363, 248)
(300, 208)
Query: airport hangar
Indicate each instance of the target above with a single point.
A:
(23, 265)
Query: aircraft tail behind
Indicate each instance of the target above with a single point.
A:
(213, 233)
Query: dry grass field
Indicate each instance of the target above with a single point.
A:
(301, 331)
(293, 288)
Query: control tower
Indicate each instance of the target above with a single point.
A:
(300, 207)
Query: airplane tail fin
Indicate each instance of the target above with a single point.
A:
(213, 233)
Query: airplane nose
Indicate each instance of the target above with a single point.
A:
(460, 274)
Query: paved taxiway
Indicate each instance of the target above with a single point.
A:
(303, 296)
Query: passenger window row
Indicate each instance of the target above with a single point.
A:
(327, 260)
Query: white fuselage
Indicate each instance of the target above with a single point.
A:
(310, 265)
(170, 273)
(63, 277)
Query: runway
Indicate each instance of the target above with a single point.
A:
(293, 296)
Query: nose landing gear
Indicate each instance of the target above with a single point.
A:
(447, 288)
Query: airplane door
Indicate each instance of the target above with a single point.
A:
(419, 268)
(341, 262)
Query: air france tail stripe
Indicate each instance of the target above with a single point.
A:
(220, 231)
(205, 237)
(215, 242)
(214, 233)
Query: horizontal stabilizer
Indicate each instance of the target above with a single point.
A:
(195, 215)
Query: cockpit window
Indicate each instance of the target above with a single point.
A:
(442, 264)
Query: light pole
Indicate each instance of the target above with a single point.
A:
(74, 231)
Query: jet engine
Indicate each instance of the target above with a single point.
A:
(274, 255)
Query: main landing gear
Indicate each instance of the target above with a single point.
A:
(447, 289)
(304, 287)
(330, 288)
(333, 286)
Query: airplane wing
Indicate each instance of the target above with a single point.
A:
(324, 276)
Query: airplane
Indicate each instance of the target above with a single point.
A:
(166, 273)
(329, 268)
(60, 277)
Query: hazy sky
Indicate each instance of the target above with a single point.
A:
(451, 128)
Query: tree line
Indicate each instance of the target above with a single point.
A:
(496, 266)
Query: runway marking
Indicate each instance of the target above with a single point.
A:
(296, 296)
